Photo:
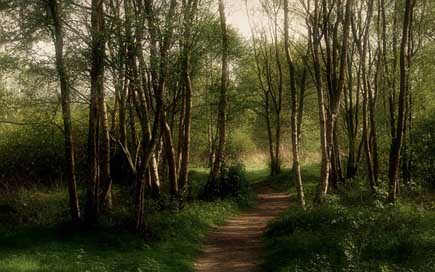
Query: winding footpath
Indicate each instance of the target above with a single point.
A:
(237, 245)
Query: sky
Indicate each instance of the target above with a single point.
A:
(237, 16)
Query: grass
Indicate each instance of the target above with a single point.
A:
(112, 248)
(34, 240)
(353, 231)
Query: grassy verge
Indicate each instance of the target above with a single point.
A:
(354, 231)
(33, 240)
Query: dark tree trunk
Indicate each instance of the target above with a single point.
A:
(397, 141)
(97, 87)
(58, 38)
(190, 12)
(170, 158)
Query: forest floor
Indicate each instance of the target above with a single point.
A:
(35, 235)
(237, 245)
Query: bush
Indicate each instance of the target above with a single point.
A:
(35, 154)
(231, 183)
(423, 150)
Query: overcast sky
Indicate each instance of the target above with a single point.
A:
(237, 17)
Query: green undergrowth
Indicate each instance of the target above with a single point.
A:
(35, 237)
(175, 241)
(353, 231)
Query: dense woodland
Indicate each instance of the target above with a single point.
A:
(153, 118)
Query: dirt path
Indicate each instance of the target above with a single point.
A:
(236, 246)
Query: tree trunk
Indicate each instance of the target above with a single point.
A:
(314, 46)
(396, 144)
(220, 151)
(170, 158)
(190, 12)
(97, 86)
(294, 112)
(58, 36)
(106, 179)
(269, 135)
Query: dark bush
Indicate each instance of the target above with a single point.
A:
(423, 151)
(231, 183)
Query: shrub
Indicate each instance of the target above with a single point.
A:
(423, 150)
(231, 183)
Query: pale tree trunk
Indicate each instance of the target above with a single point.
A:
(220, 151)
(106, 179)
(314, 43)
(146, 105)
(58, 38)
(294, 112)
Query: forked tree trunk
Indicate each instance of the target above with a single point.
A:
(363, 49)
(158, 71)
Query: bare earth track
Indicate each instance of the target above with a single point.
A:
(236, 246)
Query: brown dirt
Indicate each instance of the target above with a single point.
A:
(236, 246)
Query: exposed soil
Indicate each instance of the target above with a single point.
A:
(236, 246)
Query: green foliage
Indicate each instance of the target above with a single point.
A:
(36, 206)
(423, 150)
(33, 152)
(173, 243)
(232, 183)
(239, 146)
(341, 237)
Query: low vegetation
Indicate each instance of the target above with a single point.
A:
(354, 231)
(129, 128)
(33, 237)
